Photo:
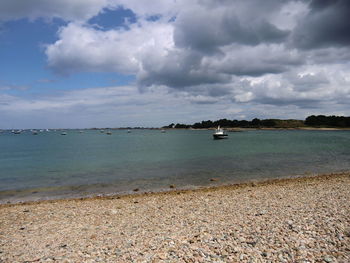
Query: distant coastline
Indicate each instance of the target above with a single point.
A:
(313, 122)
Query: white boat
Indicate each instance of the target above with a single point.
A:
(34, 132)
(219, 134)
(109, 133)
(129, 131)
(63, 133)
(162, 131)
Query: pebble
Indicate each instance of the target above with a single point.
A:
(261, 212)
(328, 259)
(208, 225)
(114, 212)
(264, 254)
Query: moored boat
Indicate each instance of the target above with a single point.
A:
(219, 134)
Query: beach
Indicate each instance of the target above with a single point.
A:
(288, 220)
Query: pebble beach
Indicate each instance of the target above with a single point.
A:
(290, 220)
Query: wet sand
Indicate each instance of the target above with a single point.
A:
(289, 220)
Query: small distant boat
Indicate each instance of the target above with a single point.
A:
(35, 132)
(220, 134)
(102, 131)
(129, 131)
(81, 131)
(63, 133)
(162, 131)
(17, 132)
(109, 133)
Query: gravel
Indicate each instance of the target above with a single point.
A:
(294, 220)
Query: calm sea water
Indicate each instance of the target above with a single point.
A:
(50, 165)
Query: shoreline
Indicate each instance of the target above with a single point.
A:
(303, 219)
(216, 185)
(261, 128)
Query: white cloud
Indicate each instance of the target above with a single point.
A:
(306, 87)
(84, 48)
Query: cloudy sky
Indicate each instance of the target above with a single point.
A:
(114, 63)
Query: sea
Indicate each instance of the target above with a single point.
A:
(91, 163)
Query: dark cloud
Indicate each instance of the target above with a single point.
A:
(258, 61)
(180, 78)
(327, 24)
(178, 69)
(207, 30)
(254, 69)
(321, 4)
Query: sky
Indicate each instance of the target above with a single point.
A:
(119, 63)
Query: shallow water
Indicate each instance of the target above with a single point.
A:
(50, 165)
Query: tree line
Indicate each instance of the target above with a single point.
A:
(328, 121)
(312, 121)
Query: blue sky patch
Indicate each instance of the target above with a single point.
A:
(112, 19)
